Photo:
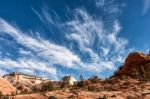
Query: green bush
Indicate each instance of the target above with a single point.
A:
(94, 79)
(48, 87)
(80, 84)
(35, 89)
(52, 97)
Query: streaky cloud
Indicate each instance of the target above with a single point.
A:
(146, 6)
(87, 32)
(92, 44)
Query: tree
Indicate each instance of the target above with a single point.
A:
(48, 87)
(81, 78)
(94, 79)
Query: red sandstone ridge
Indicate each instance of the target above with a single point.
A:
(136, 57)
(6, 88)
(136, 65)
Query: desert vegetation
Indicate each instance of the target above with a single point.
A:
(127, 80)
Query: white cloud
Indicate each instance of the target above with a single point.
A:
(28, 66)
(26, 71)
(45, 50)
(100, 44)
(146, 6)
(55, 53)
(109, 7)
(88, 32)
(105, 50)
(2, 72)
(9, 62)
(85, 33)
(39, 16)
(24, 52)
(116, 27)
(100, 3)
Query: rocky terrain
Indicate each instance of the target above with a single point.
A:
(130, 81)
(6, 88)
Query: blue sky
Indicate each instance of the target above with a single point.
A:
(53, 38)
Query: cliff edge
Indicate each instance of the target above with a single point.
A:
(137, 65)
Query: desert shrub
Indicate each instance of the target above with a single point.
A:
(146, 79)
(48, 87)
(64, 85)
(73, 90)
(94, 79)
(1, 94)
(80, 84)
(52, 97)
(35, 89)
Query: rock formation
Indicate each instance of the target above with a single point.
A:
(20, 77)
(68, 80)
(137, 65)
(136, 85)
(6, 88)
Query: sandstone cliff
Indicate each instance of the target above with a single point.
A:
(6, 88)
(137, 65)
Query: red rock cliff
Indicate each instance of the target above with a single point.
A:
(136, 65)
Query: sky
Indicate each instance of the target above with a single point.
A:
(54, 38)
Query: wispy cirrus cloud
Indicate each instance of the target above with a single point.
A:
(109, 7)
(90, 33)
(47, 53)
(42, 47)
(146, 6)
(92, 43)
(28, 66)
(100, 3)
(101, 45)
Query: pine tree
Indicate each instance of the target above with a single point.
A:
(81, 78)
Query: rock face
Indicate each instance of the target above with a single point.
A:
(68, 80)
(20, 77)
(136, 57)
(6, 88)
(137, 65)
(23, 82)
